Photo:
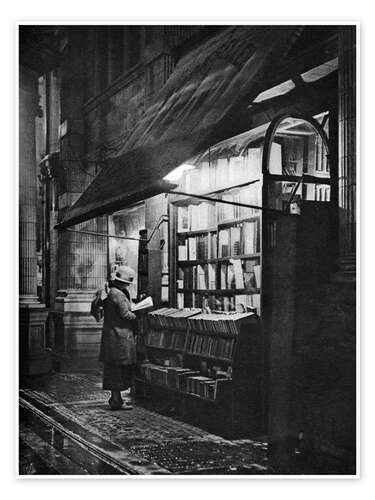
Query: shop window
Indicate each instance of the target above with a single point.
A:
(297, 168)
(124, 250)
(224, 204)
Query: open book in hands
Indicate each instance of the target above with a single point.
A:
(143, 304)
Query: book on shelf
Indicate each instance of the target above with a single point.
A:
(238, 173)
(166, 317)
(250, 237)
(190, 277)
(207, 215)
(218, 323)
(238, 273)
(192, 242)
(205, 180)
(202, 277)
(227, 303)
(172, 375)
(193, 217)
(211, 346)
(180, 277)
(196, 217)
(202, 247)
(226, 210)
(211, 276)
(223, 276)
(182, 251)
(213, 247)
(244, 302)
(256, 302)
(222, 173)
(182, 219)
(248, 280)
(195, 384)
(250, 195)
(180, 300)
(224, 243)
(181, 383)
(179, 340)
(192, 180)
(230, 278)
(235, 240)
(210, 390)
(257, 276)
(253, 161)
(158, 375)
(159, 338)
(188, 300)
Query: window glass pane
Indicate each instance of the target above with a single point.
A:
(227, 164)
(124, 252)
(297, 150)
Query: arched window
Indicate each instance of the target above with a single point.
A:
(295, 163)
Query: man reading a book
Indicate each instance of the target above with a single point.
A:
(118, 348)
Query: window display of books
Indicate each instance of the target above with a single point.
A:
(217, 246)
(224, 259)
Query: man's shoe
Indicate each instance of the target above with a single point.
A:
(115, 405)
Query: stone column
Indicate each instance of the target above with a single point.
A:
(33, 355)
(347, 152)
(82, 266)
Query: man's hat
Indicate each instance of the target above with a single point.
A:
(125, 274)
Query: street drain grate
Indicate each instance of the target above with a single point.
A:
(199, 456)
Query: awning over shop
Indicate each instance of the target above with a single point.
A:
(196, 108)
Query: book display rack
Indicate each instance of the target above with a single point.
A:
(249, 228)
(218, 252)
(208, 366)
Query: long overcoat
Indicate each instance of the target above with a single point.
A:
(118, 341)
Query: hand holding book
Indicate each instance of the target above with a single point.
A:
(143, 304)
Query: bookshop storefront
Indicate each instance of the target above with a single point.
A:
(246, 225)
(236, 226)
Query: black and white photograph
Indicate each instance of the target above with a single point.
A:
(187, 249)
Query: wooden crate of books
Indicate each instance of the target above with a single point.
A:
(208, 366)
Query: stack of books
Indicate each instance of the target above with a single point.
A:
(182, 377)
(155, 374)
(160, 338)
(218, 323)
(168, 317)
(210, 346)
(173, 376)
(250, 237)
(196, 384)
(196, 217)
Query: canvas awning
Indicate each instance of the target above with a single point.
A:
(196, 108)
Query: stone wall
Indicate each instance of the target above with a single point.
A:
(96, 128)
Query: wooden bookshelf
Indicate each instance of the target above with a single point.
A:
(221, 258)
(224, 375)
(227, 255)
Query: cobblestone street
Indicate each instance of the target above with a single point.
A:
(146, 442)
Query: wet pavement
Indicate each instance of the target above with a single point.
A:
(66, 427)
